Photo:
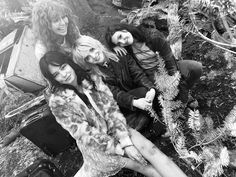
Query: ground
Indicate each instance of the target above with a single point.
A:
(215, 93)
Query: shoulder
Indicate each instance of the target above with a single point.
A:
(61, 97)
(39, 49)
(157, 42)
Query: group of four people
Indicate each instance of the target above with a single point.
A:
(102, 99)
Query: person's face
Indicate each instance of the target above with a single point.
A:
(122, 38)
(59, 26)
(63, 74)
(95, 56)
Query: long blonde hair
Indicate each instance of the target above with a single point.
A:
(81, 50)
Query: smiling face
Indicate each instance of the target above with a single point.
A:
(59, 25)
(63, 74)
(95, 56)
(122, 38)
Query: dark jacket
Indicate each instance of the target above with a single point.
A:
(160, 45)
(124, 76)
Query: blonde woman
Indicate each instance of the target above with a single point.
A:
(130, 86)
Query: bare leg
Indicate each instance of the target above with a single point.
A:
(163, 165)
(148, 170)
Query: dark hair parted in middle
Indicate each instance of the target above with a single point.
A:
(55, 58)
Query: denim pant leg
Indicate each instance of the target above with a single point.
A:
(191, 71)
(137, 119)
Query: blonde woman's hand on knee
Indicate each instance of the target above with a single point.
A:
(134, 154)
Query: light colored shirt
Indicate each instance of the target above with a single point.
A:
(147, 59)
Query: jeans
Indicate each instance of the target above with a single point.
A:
(140, 119)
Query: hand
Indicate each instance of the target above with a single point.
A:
(150, 95)
(134, 154)
(142, 103)
(120, 51)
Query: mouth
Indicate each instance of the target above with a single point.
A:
(62, 29)
(68, 77)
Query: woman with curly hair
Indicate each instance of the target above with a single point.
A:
(84, 106)
(54, 27)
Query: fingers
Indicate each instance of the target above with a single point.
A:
(124, 51)
(143, 161)
(139, 158)
(120, 51)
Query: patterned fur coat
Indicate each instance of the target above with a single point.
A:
(100, 131)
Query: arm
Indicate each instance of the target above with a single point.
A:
(74, 116)
(161, 46)
(116, 122)
(122, 97)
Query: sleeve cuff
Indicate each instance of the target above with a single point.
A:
(126, 141)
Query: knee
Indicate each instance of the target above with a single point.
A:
(197, 71)
(149, 148)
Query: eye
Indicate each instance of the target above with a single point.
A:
(55, 19)
(91, 49)
(55, 74)
(63, 66)
(120, 36)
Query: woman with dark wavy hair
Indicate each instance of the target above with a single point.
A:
(146, 50)
(54, 27)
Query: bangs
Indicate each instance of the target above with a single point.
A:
(55, 13)
(82, 51)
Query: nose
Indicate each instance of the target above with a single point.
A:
(122, 41)
(62, 73)
(62, 21)
(92, 54)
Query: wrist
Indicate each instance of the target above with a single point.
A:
(119, 150)
(125, 141)
(128, 146)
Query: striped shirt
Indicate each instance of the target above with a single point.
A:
(147, 59)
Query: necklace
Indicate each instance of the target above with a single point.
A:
(63, 43)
